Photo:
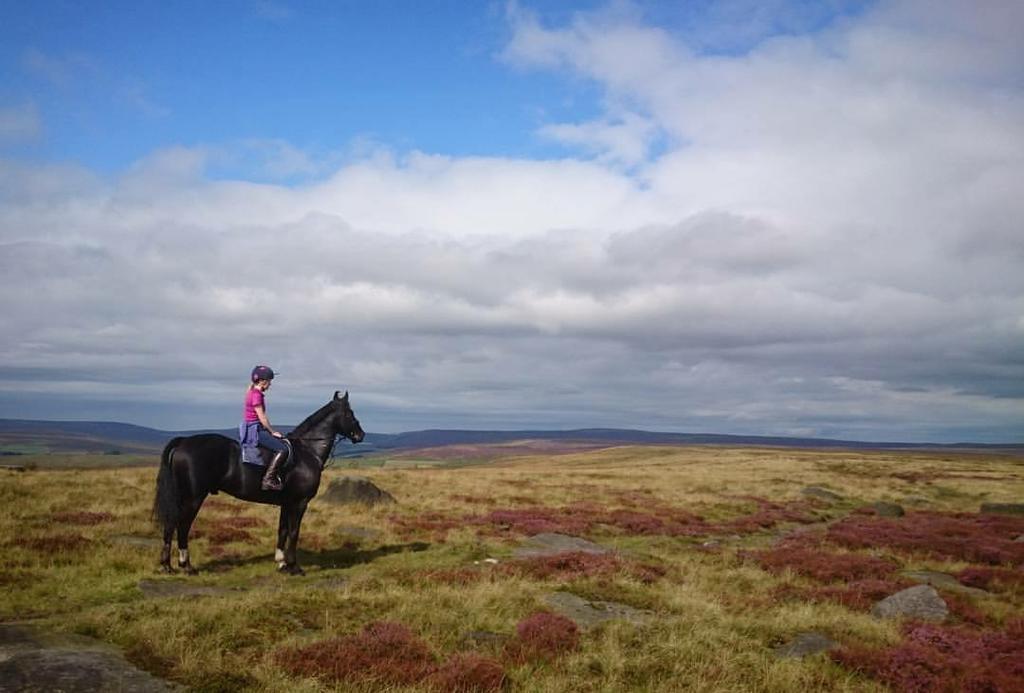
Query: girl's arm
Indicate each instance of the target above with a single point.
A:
(266, 422)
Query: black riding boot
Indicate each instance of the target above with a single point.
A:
(271, 478)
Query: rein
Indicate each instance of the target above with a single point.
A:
(336, 438)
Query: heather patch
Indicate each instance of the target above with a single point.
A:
(81, 518)
(945, 658)
(383, 653)
(543, 636)
(469, 672)
(222, 534)
(821, 565)
(53, 543)
(962, 536)
(580, 564)
(859, 595)
(435, 523)
(992, 579)
(539, 520)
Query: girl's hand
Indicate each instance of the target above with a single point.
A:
(277, 434)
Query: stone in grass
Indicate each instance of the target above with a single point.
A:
(355, 489)
(31, 661)
(551, 544)
(921, 602)
(1003, 508)
(805, 644)
(942, 581)
(883, 509)
(822, 493)
(586, 614)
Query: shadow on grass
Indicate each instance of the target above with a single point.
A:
(325, 559)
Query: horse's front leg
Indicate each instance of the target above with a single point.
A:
(282, 537)
(294, 522)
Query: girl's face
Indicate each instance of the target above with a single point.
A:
(263, 385)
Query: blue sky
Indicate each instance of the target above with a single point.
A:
(781, 218)
(113, 81)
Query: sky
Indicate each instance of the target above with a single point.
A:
(758, 218)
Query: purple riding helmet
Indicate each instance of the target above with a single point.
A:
(262, 373)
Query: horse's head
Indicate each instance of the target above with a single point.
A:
(345, 420)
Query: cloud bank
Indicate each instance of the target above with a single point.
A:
(818, 235)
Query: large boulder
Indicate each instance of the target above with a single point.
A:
(921, 602)
(355, 489)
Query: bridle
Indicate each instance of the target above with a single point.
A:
(335, 439)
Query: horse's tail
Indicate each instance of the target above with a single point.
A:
(167, 505)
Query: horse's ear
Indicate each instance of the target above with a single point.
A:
(338, 395)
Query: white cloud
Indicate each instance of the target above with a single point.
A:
(829, 244)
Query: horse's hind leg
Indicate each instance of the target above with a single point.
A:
(165, 552)
(188, 515)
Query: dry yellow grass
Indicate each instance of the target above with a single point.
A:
(716, 615)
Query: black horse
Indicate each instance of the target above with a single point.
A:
(194, 466)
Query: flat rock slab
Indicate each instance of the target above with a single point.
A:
(355, 489)
(805, 644)
(178, 588)
(883, 509)
(822, 493)
(587, 614)
(1003, 508)
(551, 544)
(921, 602)
(37, 662)
(942, 581)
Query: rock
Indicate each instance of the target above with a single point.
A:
(921, 602)
(1020, 538)
(178, 588)
(805, 644)
(822, 493)
(33, 661)
(587, 614)
(883, 509)
(1003, 508)
(550, 544)
(355, 489)
(943, 581)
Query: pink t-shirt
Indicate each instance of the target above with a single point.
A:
(253, 399)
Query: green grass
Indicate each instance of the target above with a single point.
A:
(717, 613)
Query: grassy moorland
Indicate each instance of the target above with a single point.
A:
(718, 547)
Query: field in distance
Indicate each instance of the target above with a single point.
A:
(706, 569)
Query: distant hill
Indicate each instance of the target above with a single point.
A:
(27, 436)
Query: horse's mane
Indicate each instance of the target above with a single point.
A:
(313, 420)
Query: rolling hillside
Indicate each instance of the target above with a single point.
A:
(18, 436)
